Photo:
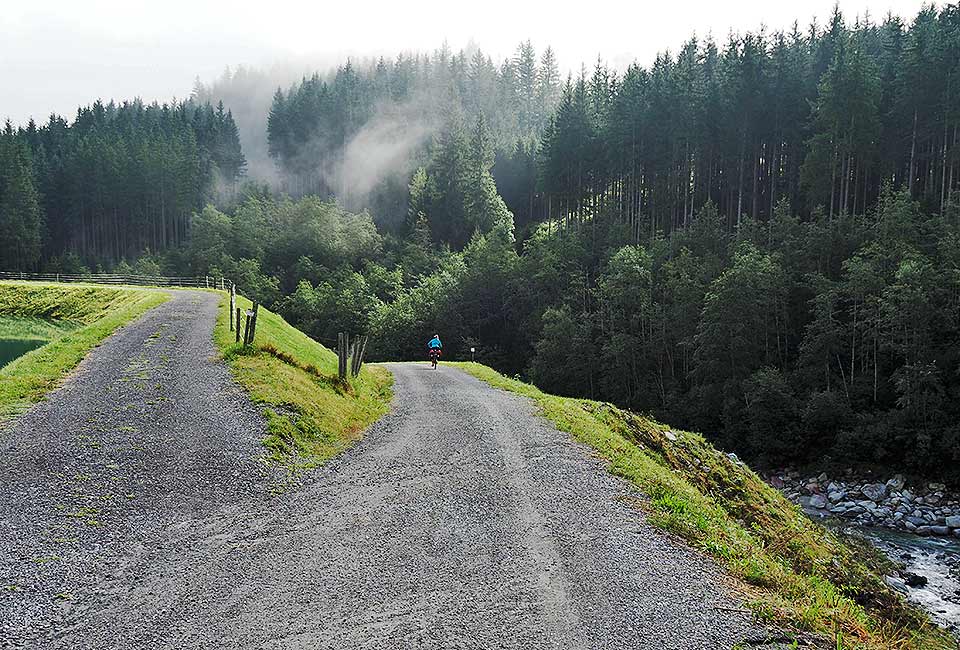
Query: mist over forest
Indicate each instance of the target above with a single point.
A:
(756, 237)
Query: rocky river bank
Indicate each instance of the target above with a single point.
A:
(924, 509)
(916, 525)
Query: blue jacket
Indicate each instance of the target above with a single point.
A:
(435, 343)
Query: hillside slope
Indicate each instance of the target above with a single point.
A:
(311, 414)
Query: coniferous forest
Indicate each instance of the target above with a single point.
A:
(757, 238)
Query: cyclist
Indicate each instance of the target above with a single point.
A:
(435, 348)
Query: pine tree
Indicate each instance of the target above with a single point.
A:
(483, 207)
(548, 87)
(526, 66)
(21, 221)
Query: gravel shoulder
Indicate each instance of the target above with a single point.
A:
(461, 519)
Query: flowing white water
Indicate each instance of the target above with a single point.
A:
(935, 558)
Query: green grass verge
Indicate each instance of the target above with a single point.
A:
(76, 318)
(32, 329)
(793, 570)
(311, 414)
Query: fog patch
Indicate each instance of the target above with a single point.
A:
(384, 148)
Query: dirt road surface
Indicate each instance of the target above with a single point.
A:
(136, 513)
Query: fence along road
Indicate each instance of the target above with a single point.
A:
(202, 282)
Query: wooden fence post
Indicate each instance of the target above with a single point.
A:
(363, 353)
(343, 345)
(340, 355)
(353, 355)
(352, 359)
(238, 325)
(233, 305)
(356, 355)
(253, 321)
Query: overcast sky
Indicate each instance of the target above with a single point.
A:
(58, 54)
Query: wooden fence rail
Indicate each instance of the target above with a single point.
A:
(205, 281)
(243, 322)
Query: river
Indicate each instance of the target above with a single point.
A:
(935, 558)
(10, 349)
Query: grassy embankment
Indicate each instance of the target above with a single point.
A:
(74, 318)
(311, 414)
(793, 570)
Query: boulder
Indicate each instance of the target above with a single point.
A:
(812, 488)
(823, 478)
(906, 495)
(777, 482)
(940, 530)
(913, 580)
(923, 530)
(896, 483)
(818, 501)
(836, 496)
(874, 491)
(953, 522)
(917, 521)
(896, 584)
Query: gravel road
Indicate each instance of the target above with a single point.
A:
(461, 520)
(150, 431)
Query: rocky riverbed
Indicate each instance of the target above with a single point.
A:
(926, 509)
